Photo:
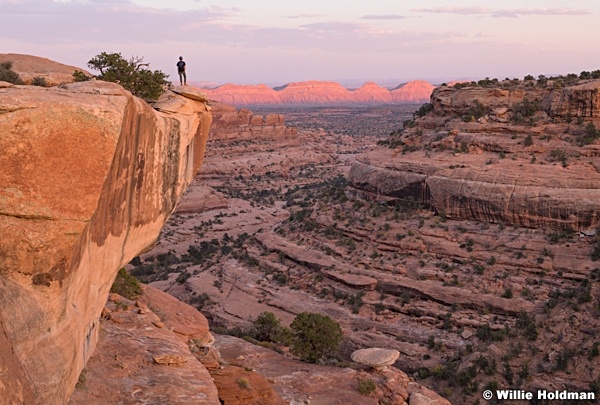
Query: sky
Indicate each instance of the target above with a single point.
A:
(278, 41)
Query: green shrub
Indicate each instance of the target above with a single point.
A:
(79, 76)
(423, 110)
(126, 285)
(267, 328)
(476, 111)
(39, 81)
(314, 336)
(366, 387)
(589, 136)
(523, 110)
(132, 74)
(9, 75)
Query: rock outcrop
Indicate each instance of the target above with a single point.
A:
(509, 155)
(231, 123)
(28, 67)
(144, 358)
(90, 174)
(321, 92)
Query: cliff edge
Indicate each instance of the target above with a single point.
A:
(89, 176)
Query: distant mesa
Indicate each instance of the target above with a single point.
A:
(321, 93)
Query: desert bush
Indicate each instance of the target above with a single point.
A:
(244, 383)
(267, 328)
(132, 74)
(39, 81)
(589, 136)
(423, 110)
(366, 386)
(314, 336)
(79, 76)
(9, 75)
(523, 110)
(476, 111)
(126, 285)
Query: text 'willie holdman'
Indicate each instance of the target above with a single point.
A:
(544, 395)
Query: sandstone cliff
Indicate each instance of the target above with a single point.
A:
(90, 174)
(521, 155)
(231, 123)
(321, 92)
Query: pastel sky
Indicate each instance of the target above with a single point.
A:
(278, 41)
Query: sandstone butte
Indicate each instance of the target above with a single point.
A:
(231, 123)
(534, 172)
(320, 92)
(89, 176)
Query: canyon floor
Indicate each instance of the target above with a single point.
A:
(272, 225)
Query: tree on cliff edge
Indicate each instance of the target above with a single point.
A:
(132, 74)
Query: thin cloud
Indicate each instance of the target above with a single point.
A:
(304, 16)
(513, 13)
(383, 17)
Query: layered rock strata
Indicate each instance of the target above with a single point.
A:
(90, 175)
(321, 92)
(500, 168)
(231, 123)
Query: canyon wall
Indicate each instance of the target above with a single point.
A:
(321, 92)
(231, 123)
(474, 157)
(90, 174)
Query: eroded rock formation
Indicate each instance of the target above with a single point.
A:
(321, 92)
(231, 123)
(90, 174)
(537, 169)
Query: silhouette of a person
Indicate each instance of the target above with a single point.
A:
(181, 71)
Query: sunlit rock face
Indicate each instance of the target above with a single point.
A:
(89, 175)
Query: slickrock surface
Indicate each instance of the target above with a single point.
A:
(28, 67)
(302, 383)
(321, 93)
(139, 360)
(90, 174)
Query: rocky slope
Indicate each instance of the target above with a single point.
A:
(28, 67)
(321, 92)
(496, 165)
(90, 174)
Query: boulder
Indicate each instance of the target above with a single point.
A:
(376, 357)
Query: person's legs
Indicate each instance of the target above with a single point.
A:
(180, 79)
(184, 79)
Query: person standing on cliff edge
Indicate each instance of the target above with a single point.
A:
(181, 71)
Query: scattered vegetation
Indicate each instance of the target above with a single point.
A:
(126, 285)
(133, 74)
